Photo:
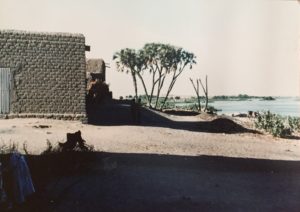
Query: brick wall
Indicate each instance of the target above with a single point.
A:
(48, 72)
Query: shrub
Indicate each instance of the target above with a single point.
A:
(168, 105)
(192, 107)
(273, 124)
(211, 110)
(294, 123)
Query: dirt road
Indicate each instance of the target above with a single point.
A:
(167, 163)
(172, 139)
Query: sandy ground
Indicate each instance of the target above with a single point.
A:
(167, 163)
(149, 139)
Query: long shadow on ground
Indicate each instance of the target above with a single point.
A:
(118, 113)
(149, 182)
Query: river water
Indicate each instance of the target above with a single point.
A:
(286, 106)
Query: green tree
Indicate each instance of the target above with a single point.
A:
(161, 61)
(126, 60)
(174, 61)
(158, 60)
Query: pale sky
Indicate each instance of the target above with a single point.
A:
(244, 46)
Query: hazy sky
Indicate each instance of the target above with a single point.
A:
(245, 46)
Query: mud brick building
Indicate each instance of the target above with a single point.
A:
(96, 68)
(42, 75)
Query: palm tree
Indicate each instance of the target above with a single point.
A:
(126, 62)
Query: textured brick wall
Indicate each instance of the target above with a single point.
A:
(48, 72)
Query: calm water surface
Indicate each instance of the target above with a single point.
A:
(286, 106)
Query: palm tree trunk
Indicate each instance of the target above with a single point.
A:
(145, 89)
(135, 85)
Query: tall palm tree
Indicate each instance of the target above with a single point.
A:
(126, 62)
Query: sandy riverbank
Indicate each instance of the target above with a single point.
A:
(150, 139)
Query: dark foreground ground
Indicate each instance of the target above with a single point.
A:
(140, 182)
